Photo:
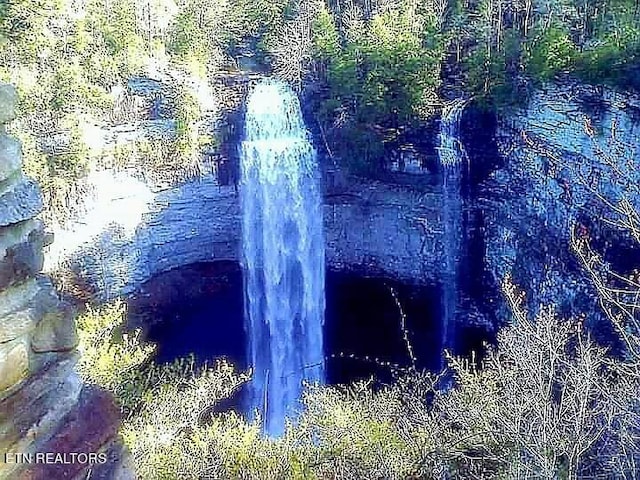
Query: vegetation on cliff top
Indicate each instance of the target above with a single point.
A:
(371, 70)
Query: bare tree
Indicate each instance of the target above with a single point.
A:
(291, 46)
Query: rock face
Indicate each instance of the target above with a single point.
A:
(44, 407)
(388, 230)
(530, 183)
(377, 228)
(571, 146)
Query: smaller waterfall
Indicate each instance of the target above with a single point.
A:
(283, 253)
(451, 150)
(453, 159)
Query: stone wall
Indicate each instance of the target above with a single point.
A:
(44, 406)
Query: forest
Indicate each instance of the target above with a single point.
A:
(372, 70)
(547, 397)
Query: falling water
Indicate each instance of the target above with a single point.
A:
(283, 253)
(452, 161)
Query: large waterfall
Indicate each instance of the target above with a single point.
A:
(453, 160)
(283, 253)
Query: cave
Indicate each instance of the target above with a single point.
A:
(199, 309)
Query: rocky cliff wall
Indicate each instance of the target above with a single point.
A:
(545, 170)
(44, 406)
(572, 147)
(125, 238)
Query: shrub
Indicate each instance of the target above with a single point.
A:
(551, 52)
(546, 402)
(111, 357)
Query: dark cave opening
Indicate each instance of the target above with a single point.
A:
(198, 309)
(363, 320)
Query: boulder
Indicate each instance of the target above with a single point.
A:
(31, 414)
(42, 411)
(21, 254)
(14, 363)
(56, 332)
(16, 313)
(8, 102)
(85, 429)
(10, 157)
(34, 306)
(22, 201)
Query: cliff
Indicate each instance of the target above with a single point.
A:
(44, 406)
(126, 238)
(566, 156)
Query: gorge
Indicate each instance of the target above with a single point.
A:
(435, 249)
(312, 239)
(386, 229)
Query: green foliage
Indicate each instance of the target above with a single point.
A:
(257, 17)
(208, 31)
(495, 48)
(325, 36)
(22, 20)
(613, 53)
(63, 64)
(188, 39)
(59, 175)
(397, 69)
(187, 114)
(111, 357)
(378, 74)
(551, 52)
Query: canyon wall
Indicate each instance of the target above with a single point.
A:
(521, 209)
(44, 406)
(572, 147)
(135, 234)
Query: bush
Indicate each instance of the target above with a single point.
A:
(111, 357)
(551, 52)
(546, 402)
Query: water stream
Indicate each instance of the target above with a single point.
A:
(453, 160)
(283, 254)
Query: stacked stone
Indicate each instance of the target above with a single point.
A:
(44, 407)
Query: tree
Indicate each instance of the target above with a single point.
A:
(291, 45)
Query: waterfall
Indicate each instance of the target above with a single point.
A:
(283, 254)
(453, 159)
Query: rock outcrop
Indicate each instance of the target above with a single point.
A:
(371, 227)
(572, 147)
(44, 406)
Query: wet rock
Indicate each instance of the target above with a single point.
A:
(389, 229)
(555, 155)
